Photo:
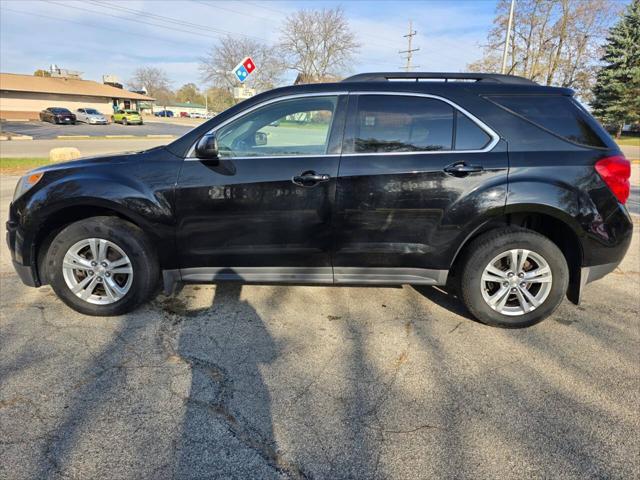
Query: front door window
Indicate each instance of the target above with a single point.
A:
(293, 127)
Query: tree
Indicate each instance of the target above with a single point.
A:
(554, 42)
(156, 83)
(617, 90)
(216, 67)
(318, 43)
(190, 93)
(219, 99)
(41, 73)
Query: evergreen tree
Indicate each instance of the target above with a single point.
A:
(617, 91)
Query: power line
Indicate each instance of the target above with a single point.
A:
(166, 19)
(409, 51)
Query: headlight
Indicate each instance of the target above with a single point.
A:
(25, 183)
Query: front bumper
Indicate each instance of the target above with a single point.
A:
(14, 241)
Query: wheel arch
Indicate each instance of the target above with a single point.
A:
(556, 225)
(67, 215)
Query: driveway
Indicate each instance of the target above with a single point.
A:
(317, 382)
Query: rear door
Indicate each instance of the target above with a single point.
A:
(262, 212)
(415, 173)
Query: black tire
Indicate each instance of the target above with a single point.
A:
(483, 249)
(126, 236)
(125, 122)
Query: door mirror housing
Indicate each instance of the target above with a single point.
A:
(207, 147)
(260, 139)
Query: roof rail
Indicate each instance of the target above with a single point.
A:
(417, 76)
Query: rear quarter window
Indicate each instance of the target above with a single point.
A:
(559, 115)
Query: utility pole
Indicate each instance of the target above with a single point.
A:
(506, 40)
(409, 51)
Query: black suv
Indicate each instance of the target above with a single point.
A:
(505, 189)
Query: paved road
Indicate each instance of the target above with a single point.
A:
(41, 148)
(45, 130)
(317, 382)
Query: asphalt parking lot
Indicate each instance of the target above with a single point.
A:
(317, 382)
(46, 130)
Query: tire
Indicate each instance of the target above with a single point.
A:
(125, 122)
(476, 292)
(129, 243)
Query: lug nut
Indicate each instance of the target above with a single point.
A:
(510, 274)
(100, 279)
(523, 285)
(513, 290)
(91, 272)
(107, 274)
(505, 284)
(93, 264)
(521, 274)
(104, 264)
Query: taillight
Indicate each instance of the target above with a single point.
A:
(615, 171)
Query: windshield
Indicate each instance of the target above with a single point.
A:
(131, 111)
(91, 111)
(59, 110)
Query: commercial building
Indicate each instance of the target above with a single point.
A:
(24, 96)
(177, 108)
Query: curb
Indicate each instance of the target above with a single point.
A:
(11, 138)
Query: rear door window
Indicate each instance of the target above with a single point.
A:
(395, 123)
(469, 136)
(557, 114)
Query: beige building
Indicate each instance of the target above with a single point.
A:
(24, 96)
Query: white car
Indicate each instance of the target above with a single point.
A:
(90, 116)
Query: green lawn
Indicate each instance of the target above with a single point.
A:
(17, 165)
(631, 141)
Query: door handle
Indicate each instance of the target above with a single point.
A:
(309, 179)
(461, 169)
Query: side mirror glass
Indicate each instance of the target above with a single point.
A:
(207, 147)
(261, 139)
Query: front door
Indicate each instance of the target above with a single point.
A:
(262, 212)
(414, 171)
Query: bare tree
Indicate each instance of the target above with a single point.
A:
(555, 42)
(318, 43)
(216, 67)
(155, 81)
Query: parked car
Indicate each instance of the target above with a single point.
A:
(90, 116)
(185, 115)
(57, 115)
(503, 190)
(197, 115)
(210, 115)
(127, 117)
(164, 113)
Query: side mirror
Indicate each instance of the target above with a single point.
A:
(207, 147)
(261, 139)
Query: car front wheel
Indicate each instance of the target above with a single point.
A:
(513, 278)
(102, 266)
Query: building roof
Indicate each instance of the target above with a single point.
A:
(14, 82)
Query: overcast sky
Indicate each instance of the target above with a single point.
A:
(98, 37)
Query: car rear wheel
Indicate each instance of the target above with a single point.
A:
(102, 266)
(513, 278)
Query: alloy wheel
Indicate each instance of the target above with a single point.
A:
(516, 282)
(97, 271)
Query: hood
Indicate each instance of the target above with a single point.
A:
(88, 162)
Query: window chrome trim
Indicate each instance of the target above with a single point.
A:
(190, 156)
(495, 138)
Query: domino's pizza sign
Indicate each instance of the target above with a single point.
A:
(244, 69)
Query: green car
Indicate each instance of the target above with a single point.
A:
(126, 117)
